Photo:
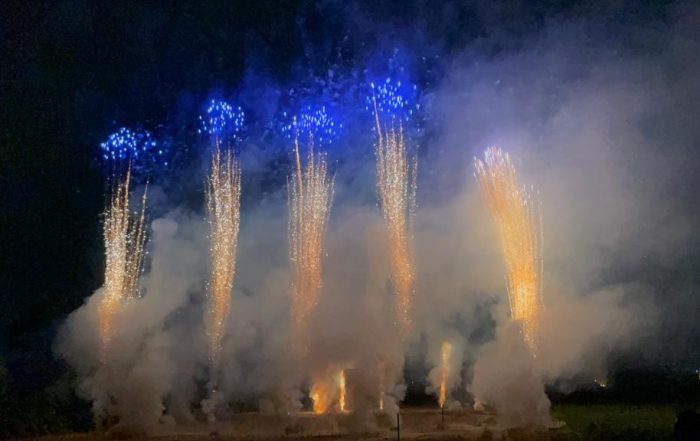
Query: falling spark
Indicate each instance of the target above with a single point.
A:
(223, 210)
(124, 238)
(310, 191)
(445, 363)
(396, 185)
(517, 213)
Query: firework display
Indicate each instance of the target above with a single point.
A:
(445, 354)
(311, 122)
(393, 101)
(321, 375)
(397, 185)
(222, 120)
(136, 150)
(310, 192)
(223, 210)
(124, 240)
(517, 213)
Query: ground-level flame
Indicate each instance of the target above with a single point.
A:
(446, 353)
(329, 393)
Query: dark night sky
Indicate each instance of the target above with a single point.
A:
(70, 69)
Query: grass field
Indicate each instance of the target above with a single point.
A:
(617, 422)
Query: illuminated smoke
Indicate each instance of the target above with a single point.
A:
(517, 214)
(396, 185)
(310, 192)
(124, 239)
(223, 210)
(446, 353)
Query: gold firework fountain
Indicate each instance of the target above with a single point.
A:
(223, 212)
(446, 353)
(328, 391)
(124, 239)
(310, 191)
(517, 214)
(342, 393)
(396, 185)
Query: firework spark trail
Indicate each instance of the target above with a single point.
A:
(517, 214)
(310, 192)
(381, 385)
(223, 210)
(124, 238)
(396, 185)
(341, 391)
(444, 366)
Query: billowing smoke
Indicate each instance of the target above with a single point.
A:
(139, 370)
(587, 122)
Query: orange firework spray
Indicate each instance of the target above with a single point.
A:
(517, 214)
(310, 191)
(223, 212)
(444, 366)
(396, 185)
(341, 391)
(124, 238)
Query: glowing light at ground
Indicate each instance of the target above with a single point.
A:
(223, 212)
(321, 396)
(124, 239)
(311, 122)
(517, 213)
(222, 120)
(445, 354)
(329, 391)
(396, 185)
(310, 192)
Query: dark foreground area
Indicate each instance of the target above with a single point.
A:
(572, 422)
(617, 421)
